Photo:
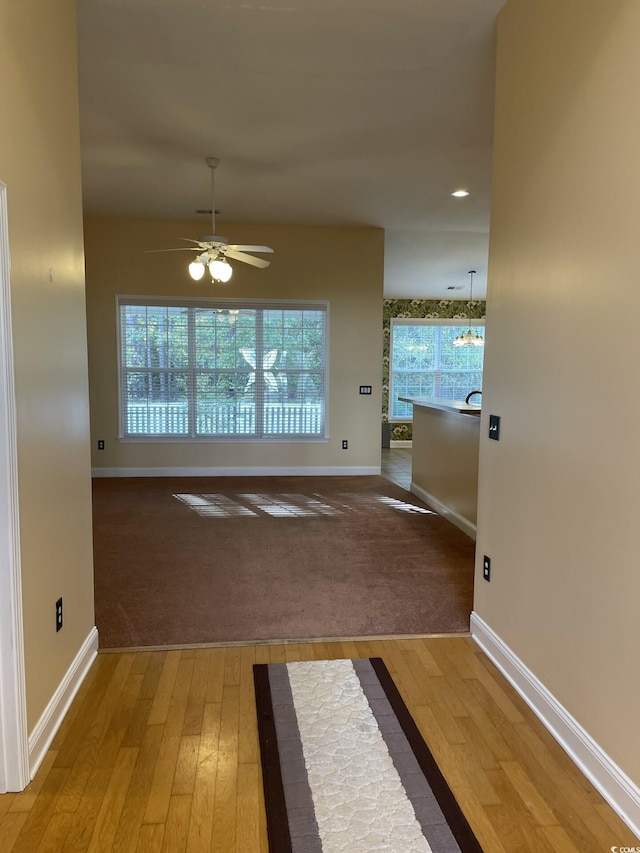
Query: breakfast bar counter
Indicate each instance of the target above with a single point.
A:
(444, 469)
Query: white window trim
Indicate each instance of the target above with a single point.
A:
(420, 321)
(191, 301)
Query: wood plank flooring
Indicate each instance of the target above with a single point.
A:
(159, 752)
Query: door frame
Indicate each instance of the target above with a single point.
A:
(14, 744)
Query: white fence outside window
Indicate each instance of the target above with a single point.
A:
(232, 419)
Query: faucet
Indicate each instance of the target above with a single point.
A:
(470, 395)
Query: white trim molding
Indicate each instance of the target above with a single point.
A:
(14, 768)
(320, 471)
(49, 723)
(622, 794)
(398, 443)
(454, 517)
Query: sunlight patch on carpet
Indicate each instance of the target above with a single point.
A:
(281, 506)
(403, 506)
(215, 506)
(285, 505)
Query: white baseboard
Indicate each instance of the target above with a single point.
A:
(49, 723)
(400, 443)
(622, 794)
(455, 518)
(320, 471)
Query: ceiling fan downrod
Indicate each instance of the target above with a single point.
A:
(212, 163)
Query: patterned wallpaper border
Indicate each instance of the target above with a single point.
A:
(431, 309)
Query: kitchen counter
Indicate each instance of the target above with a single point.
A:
(444, 464)
(457, 406)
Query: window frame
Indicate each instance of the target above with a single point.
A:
(419, 321)
(225, 304)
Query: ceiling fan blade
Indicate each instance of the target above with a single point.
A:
(189, 240)
(183, 249)
(251, 248)
(247, 259)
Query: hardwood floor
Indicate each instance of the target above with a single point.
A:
(159, 752)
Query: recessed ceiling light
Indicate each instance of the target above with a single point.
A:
(460, 193)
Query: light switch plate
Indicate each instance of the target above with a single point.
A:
(486, 568)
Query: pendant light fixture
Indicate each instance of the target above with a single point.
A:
(469, 339)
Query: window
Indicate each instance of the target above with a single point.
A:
(424, 363)
(220, 369)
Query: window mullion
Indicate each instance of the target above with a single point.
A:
(192, 402)
(259, 383)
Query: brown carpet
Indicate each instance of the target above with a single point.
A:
(199, 560)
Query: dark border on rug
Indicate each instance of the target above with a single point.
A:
(458, 823)
(278, 821)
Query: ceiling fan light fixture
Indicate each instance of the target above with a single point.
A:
(213, 248)
(220, 270)
(196, 270)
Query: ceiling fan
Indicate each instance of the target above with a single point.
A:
(213, 250)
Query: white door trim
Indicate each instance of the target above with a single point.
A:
(14, 765)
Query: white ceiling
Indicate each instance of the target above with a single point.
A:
(322, 112)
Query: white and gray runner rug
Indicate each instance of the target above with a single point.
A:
(345, 769)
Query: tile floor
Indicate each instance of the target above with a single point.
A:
(396, 465)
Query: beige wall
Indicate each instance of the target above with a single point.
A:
(341, 265)
(558, 495)
(40, 164)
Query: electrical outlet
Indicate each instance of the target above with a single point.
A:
(100, 444)
(345, 444)
(58, 614)
(486, 568)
